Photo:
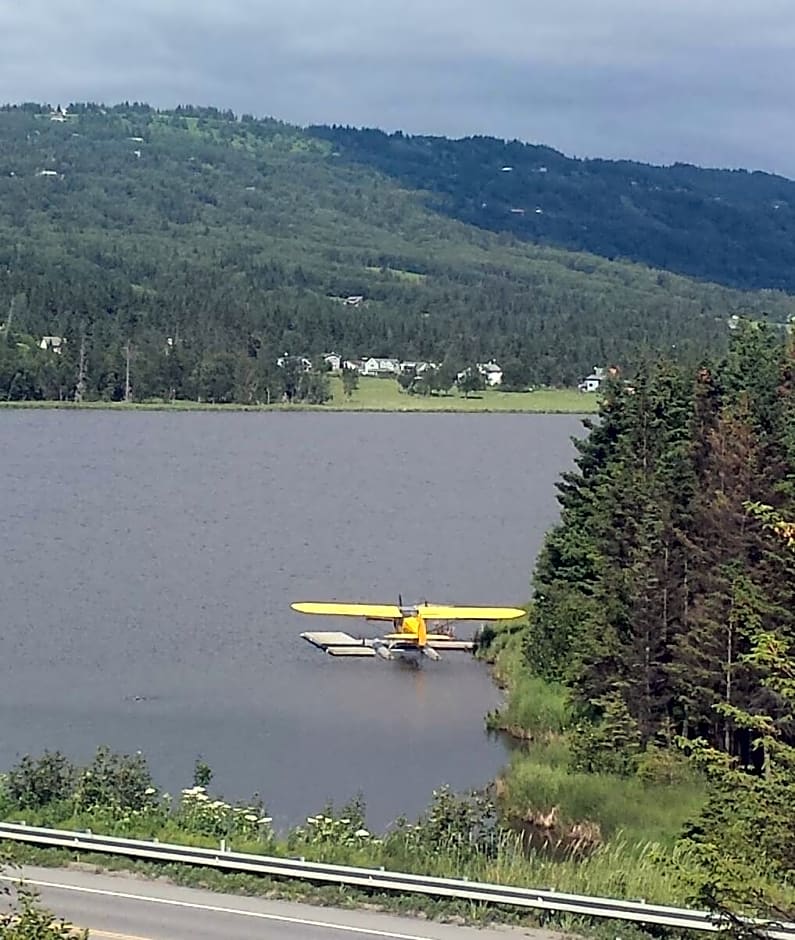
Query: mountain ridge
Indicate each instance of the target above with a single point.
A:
(238, 240)
(735, 226)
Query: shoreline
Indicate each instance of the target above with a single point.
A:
(281, 408)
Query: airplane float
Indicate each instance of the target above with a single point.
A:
(410, 637)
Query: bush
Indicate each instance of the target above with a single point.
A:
(6, 802)
(453, 824)
(609, 745)
(33, 784)
(200, 814)
(115, 780)
(665, 766)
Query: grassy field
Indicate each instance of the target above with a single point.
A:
(385, 395)
(375, 395)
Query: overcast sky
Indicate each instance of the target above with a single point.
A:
(701, 81)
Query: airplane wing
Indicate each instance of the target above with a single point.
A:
(374, 611)
(443, 612)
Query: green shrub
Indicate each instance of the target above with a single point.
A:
(34, 783)
(115, 780)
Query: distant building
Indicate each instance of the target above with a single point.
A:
(377, 366)
(47, 173)
(593, 382)
(52, 344)
(355, 300)
(333, 361)
(304, 363)
(491, 372)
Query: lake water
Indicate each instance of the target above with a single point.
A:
(149, 561)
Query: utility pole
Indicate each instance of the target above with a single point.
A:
(127, 389)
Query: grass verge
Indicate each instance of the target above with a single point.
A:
(373, 394)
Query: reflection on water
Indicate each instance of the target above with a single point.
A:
(149, 562)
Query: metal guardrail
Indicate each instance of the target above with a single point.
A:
(377, 879)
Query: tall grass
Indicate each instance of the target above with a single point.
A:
(534, 708)
(539, 778)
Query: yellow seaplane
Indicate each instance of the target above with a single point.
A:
(410, 637)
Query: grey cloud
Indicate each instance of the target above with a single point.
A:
(705, 81)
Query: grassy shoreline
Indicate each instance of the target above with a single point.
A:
(373, 395)
(540, 780)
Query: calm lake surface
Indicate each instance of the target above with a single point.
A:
(148, 565)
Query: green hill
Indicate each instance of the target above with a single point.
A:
(729, 226)
(213, 244)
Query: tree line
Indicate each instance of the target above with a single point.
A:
(649, 591)
(664, 601)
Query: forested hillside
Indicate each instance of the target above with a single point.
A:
(664, 601)
(728, 226)
(199, 247)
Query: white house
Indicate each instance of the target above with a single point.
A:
(377, 366)
(491, 372)
(593, 382)
(306, 364)
(52, 344)
(333, 361)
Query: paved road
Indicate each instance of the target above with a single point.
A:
(125, 907)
